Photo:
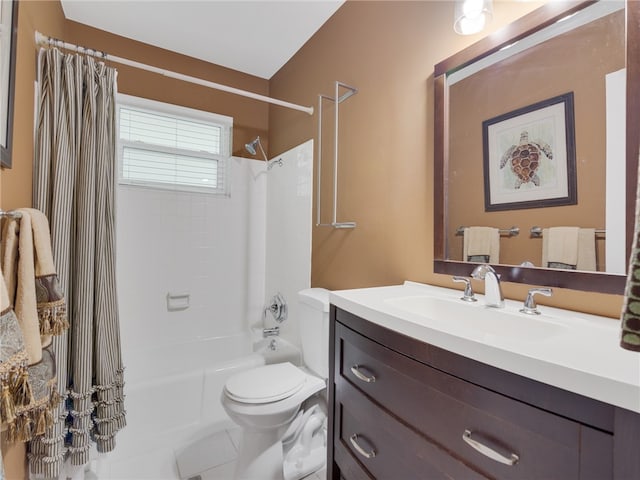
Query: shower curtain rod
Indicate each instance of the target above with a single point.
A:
(43, 40)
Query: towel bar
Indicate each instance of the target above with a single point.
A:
(536, 232)
(10, 214)
(508, 232)
(338, 99)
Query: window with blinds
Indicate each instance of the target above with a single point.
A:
(171, 147)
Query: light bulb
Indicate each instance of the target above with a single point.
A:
(471, 16)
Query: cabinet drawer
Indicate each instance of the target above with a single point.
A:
(386, 448)
(444, 407)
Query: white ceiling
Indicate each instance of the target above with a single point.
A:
(255, 37)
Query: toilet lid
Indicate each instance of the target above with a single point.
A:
(269, 383)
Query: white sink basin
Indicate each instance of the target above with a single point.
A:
(488, 321)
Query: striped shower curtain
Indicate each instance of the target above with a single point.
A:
(74, 185)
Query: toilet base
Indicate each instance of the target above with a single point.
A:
(257, 462)
(300, 468)
(268, 455)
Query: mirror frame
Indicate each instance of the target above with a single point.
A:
(542, 17)
(8, 96)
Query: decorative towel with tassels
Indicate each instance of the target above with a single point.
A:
(52, 308)
(34, 418)
(15, 391)
(40, 311)
(30, 274)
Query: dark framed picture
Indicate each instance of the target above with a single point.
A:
(529, 156)
(8, 40)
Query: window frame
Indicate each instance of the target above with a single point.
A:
(155, 107)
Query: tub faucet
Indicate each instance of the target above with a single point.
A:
(493, 296)
(270, 332)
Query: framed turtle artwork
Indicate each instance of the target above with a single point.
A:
(529, 156)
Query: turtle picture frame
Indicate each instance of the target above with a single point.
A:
(529, 156)
(8, 42)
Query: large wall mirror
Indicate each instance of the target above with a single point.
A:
(537, 127)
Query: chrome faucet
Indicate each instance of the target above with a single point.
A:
(468, 295)
(530, 307)
(270, 332)
(493, 296)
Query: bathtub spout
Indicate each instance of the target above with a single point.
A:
(270, 332)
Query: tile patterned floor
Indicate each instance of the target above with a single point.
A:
(209, 458)
(224, 471)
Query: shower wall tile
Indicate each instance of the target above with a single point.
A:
(210, 247)
(288, 232)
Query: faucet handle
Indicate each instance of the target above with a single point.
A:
(530, 307)
(270, 332)
(468, 291)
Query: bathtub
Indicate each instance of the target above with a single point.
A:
(172, 395)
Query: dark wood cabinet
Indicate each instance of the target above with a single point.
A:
(404, 409)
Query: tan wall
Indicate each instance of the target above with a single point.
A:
(517, 82)
(387, 50)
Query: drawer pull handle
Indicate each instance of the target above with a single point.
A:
(354, 442)
(365, 378)
(489, 452)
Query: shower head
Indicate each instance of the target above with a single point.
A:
(251, 147)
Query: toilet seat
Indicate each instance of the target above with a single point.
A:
(269, 383)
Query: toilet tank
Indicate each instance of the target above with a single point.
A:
(313, 313)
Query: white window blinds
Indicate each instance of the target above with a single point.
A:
(165, 146)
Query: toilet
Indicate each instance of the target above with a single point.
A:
(280, 407)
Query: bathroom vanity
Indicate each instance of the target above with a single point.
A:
(425, 386)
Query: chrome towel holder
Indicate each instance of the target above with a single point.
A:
(10, 214)
(338, 99)
(508, 232)
(536, 232)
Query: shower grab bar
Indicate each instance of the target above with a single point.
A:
(337, 99)
(536, 232)
(507, 232)
(10, 214)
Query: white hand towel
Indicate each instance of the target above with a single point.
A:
(570, 246)
(587, 250)
(482, 241)
(562, 245)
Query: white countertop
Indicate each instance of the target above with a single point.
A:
(581, 354)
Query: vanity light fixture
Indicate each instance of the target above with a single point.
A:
(471, 16)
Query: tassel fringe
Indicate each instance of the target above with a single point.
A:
(7, 405)
(15, 391)
(22, 392)
(53, 318)
(31, 420)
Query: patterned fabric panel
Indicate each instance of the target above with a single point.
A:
(630, 338)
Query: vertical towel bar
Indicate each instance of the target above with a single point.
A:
(337, 99)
